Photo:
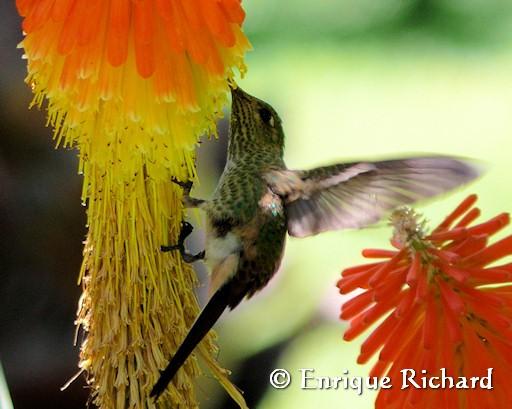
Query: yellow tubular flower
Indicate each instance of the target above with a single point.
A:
(132, 84)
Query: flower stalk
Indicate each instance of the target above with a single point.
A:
(132, 85)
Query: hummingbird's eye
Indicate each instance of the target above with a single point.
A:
(266, 116)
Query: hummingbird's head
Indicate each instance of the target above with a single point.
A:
(255, 126)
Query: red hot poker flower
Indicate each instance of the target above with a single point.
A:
(444, 310)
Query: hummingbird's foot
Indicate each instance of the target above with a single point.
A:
(190, 258)
(188, 202)
(187, 257)
(186, 186)
(186, 229)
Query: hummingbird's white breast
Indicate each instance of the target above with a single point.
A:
(221, 256)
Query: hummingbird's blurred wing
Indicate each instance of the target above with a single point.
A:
(354, 195)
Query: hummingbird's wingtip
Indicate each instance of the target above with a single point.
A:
(471, 169)
(479, 167)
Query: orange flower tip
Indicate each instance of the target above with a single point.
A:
(378, 253)
(470, 217)
(145, 67)
(456, 233)
(492, 253)
(459, 211)
(233, 10)
(485, 298)
(357, 269)
(395, 243)
(412, 274)
(445, 255)
(347, 337)
(347, 287)
(411, 281)
(458, 274)
(378, 370)
(492, 276)
(385, 269)
(344, 286)
(470, 245)
(491, 226)
(452, 299)
(399, 313)
(421, 292)
(363, 358)
(356, 305)
(346, 315)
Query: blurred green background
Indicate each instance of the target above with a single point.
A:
(351, 79)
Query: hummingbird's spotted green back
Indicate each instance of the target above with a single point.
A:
(258, 200)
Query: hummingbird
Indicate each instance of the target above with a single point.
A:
(258, 201)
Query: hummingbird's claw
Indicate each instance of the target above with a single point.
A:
(169, 248)
(186, 229)
(188, 202)
(190, 258)
(186, 186)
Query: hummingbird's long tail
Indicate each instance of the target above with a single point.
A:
(209, 315)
